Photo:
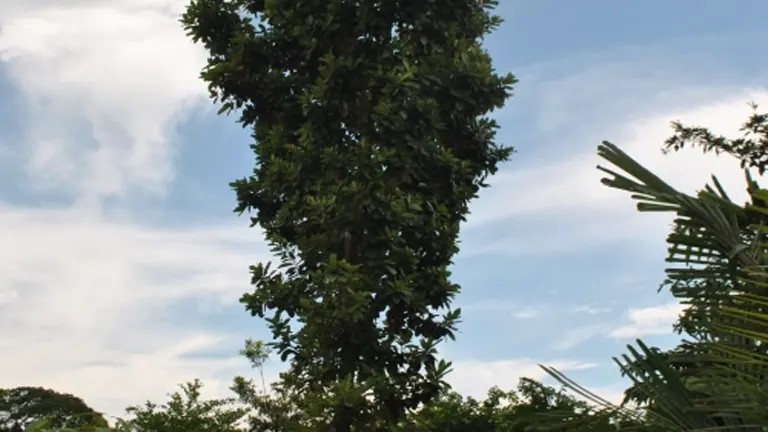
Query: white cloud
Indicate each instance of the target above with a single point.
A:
(475, 377)
(654, 320)
(123, 72)
(90, 304)
(555, 202)
(596, 214)
(649, 321)
(90, 301)
(642, 139)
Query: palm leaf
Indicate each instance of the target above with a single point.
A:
(719, 270)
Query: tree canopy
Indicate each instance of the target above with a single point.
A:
(22, 406)
(371, 136)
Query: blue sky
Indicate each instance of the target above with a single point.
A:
(122, 262)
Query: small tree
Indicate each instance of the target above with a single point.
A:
(22, 406)
(511, 411)
(370, 140)
(185, 411)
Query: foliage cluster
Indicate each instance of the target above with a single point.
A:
(370, 137)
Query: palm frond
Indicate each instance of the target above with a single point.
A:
(719, 270)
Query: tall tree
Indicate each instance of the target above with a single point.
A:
(371, 137)
(22, 406)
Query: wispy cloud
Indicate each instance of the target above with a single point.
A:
(530, 220)
(493, 305)
(87, 291)
(554, 203)
(515, 309)
(639, 322)
(577, 336)
(475, 377)
(104, 69)
(103, 85)
(526, 313)
(589, 310)
(649, 321)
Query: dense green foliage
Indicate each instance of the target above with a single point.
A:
(511, 411)
(22, 406)
(186, 411)
(371, 137)
(256, 410)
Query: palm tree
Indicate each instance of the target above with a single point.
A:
(718, 256)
